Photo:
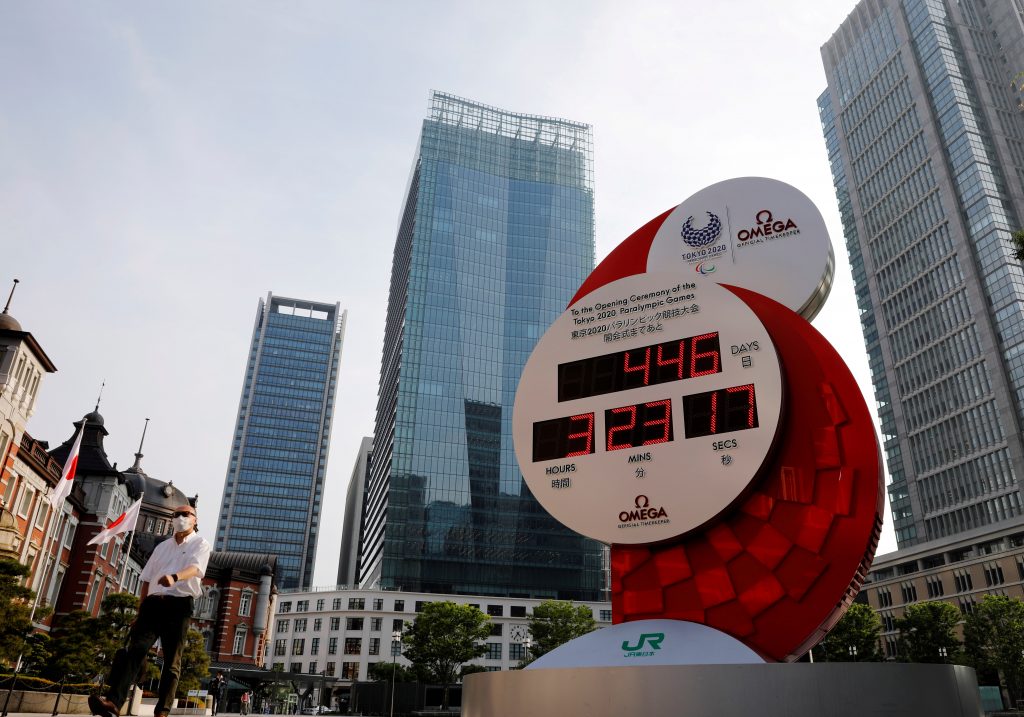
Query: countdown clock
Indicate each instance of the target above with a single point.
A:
(647, 409)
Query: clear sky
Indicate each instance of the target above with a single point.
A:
(164, 165)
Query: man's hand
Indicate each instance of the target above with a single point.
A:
(166, 580)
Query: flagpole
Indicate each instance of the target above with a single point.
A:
(127, 557)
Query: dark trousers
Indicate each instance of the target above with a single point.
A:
(160, 616)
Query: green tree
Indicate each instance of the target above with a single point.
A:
(76, 648)
(443, 638)
(36, 654)
(555, 622)
(994, 640)
(928, 633)
(858, 628)
(15, 606)
(1018, 245)
(195, 663)
(381, 672)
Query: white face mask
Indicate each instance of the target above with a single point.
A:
(181, 524)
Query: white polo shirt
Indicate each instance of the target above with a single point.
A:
(170, 557)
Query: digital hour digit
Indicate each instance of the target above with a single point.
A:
(566, 437)
(720, 411)
(642, 424)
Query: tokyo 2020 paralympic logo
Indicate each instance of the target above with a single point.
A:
(704, 236)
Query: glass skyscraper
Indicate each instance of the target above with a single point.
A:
(273, 493)
(496, 235)
(926, 146)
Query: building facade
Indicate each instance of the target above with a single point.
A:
(961, 571)
(496, 234)
(927, 153)
(355, 497)
(273, 493)
(341, 633)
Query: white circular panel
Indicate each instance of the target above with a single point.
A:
(647, 408)
(754, 232)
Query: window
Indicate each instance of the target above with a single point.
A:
(282, 626)
(280, 648)
(495, 610)
(350, 670)
(296, 667)
(517, 651)
(285, 607)
(26, 503)
(496, 630)
(353, 623)
(378, 603)
(962, 580)
(884, 597)
(605, 615)
(420, 604)
(319, 605)
(245, 603)
(935, 588)
(238, 645)
(399, 605)
(993, 575)
(335, 623)
(318, 625)
(298, 646)
(279, 666)
(396, 648)
(356, 604)
(332, 646)
(302, 606)
(353, 645)
(314, 646)
(336, 604)
(908, 592)
(374, 648)
(375, 623)
(312, 668)
(330, 669)
(493, 651)
(398, 624)
(300, 624)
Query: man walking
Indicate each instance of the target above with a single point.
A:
(171, 581)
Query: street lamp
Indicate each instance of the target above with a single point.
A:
(853, 652)
(526, 647)
(942, 653)
(396, 636)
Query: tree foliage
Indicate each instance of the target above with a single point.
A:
(381, 672)
(555, 622)
(859, 628)
(15, 607)
(928, 633)
(1018, 245)
(994, 640)
(443, 638)
(195, 663)
(76, 651)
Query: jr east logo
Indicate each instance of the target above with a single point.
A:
(652, 640)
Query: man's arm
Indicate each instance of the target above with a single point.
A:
(144, 592)
(184, 574)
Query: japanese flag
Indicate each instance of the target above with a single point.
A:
(121, 524)
(67, 478)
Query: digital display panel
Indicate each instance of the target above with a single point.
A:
(720, 411)
(563, 437)
(642, 424)
(676, 360)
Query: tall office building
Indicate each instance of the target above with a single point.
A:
(355, 498)
(273, 493)
(496, 235)
(927, 152)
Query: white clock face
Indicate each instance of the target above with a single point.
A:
(647, 408)
(519, 633)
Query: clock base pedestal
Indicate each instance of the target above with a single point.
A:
(772, 690)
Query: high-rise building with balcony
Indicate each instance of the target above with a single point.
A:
(273, 493)
(926, 144)
(496, 235)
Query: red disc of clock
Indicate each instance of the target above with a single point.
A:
(704, 428)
